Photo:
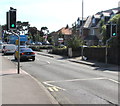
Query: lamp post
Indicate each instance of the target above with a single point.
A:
(82, 32)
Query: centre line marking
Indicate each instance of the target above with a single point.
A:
(100, 78)
(76, 80)
(48, 62)
(114, 81)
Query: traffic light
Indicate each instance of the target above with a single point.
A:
(114, 30)
(12, 17)
(108, 30)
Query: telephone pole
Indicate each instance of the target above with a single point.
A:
(82, 29)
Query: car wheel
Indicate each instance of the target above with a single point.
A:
(33, 59)
(4, 53)
(15, 58)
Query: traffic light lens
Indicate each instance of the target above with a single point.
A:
(12, 25)
(114, 34)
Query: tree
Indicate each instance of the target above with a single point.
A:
(44, 30)
(115, 42)
(32, 32)
(103, 29)
(75, 42)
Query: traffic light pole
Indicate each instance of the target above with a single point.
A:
(112, 31)
(106, 51)
(18, 68)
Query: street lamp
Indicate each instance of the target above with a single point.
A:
(82, 31)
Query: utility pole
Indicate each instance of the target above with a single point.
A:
(82, 30)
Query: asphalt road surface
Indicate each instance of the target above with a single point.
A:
(73, 83)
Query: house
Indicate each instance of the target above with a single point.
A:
(65, 33)
(91, 28)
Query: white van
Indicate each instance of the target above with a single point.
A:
(1, 48)
(9, 49)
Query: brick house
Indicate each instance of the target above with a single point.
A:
(65, 33)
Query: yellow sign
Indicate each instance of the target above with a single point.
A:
(16, 42)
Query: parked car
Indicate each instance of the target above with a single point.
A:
(1, 48)
(9, 49)
(38, 43)
(25, 54)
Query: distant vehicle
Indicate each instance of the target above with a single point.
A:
(38, 43)
(22, 46)
(46, 43)
(9, 49)
(1, 47)
(25, 54)
(1, 43)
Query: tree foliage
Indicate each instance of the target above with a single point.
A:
(75, 42)
(114, 20)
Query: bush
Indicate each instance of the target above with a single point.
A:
(39, 47)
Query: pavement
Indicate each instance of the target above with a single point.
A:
(21, 88)
(24, 89)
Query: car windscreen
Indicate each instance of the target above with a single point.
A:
(10, 47)
(26, 50)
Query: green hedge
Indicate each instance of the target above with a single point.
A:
(38, 48)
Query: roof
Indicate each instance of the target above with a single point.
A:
(106, 14)
(80, 18)
(97, 16)
(88, 22)
(65, 31)
(114, 10)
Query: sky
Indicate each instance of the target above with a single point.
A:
(54, 14)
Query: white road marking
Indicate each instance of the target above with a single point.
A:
(50, 89)
(53, 89)
(72, 80)
(45, 61)
(46, 83)
(111, 72)
(48, 62)
(114, 81)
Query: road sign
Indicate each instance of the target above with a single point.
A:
(60, 40)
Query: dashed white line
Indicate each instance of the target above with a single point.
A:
(48, 62)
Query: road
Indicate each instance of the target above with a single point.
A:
(73, 83)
